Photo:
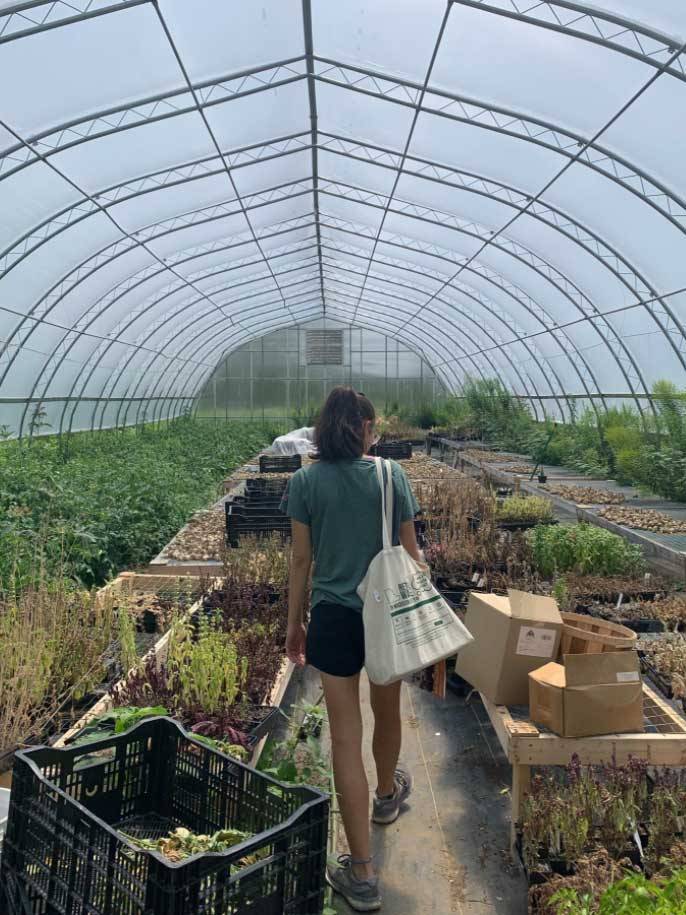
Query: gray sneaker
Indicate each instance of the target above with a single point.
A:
(387, 809)
(361, 895)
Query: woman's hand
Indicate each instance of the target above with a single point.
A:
(295, 643)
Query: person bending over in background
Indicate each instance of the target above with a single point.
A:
(335, 510)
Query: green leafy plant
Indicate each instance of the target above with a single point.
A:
(582, 548)
(181, 843)
(206, 668)
(126, 634)
(117, 721)
(633, 895)
(525, 508)
(113, 498)
(224, 746)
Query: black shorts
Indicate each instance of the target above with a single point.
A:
(335, 640)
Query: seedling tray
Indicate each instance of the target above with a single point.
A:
(64, 851)
(397, 451)
(642, 626)
(280, 463)
(663, 683)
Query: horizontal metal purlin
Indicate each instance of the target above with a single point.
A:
(534, 130)
(86, 399)
(604, 314)
(13, 20)
(590, 25)
(148, 110)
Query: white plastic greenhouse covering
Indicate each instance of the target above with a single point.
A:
(498, 184)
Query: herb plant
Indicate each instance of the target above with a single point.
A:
(582, 548)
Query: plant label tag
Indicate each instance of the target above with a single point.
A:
(475, 578)
(536, 641)
(628, 676)
(639, 844)
(619, 600)
(482, 583)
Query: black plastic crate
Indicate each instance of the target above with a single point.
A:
(264, 487)
(245, 521)
(64, 853)
(398, 451)
(257, 503)
(280, 463)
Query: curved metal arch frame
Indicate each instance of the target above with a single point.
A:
(509, 194)
(52, 369)
(513, 366)
(148, 110)
(625, 272)
(546, 325)
(178, 223)
(434, 165)
(311, 305)
(537, 128)
(124, 365)
(202, 380)
(114, 378)
(144, 378)
(95, 357)
(512, 247)
(149, 387)
(559, 140)
(671, 316)
(182, 329)
(481, 300)
(490, 275)
(211, 247)
(444, 168)
(364, 325)
(393, 328)
(444, 318)
(232, 334)
(590, 25)
(179, 331)
(106, 255)
(198, 335)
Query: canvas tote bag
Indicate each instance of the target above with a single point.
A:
(407, 624)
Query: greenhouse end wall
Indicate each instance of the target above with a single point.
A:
(270, 378)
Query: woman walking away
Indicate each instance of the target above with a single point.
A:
(335, 511)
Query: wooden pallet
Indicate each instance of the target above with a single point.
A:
(525, 745)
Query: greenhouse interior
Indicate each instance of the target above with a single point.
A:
(342, 457)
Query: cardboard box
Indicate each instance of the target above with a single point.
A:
(590, 695)
(513, 635)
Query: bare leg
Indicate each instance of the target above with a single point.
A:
(345, 721)
(387, 734)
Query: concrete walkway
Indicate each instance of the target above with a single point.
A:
(448, 852)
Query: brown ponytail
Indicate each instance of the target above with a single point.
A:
(339, 433)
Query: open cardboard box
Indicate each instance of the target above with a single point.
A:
(588, 695)
(513, 635)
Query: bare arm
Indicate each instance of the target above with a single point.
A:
(301, 560)
(408, 539)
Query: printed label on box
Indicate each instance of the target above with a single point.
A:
(628, 676)
(536, 641)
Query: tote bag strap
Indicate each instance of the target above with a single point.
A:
(386, 500)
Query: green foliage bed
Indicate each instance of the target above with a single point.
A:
(107, 500)
(648, 451)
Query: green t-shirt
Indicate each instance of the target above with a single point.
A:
(341, 504)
